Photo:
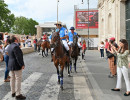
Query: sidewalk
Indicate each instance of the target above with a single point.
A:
(97, 71)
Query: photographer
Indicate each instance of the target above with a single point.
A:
(122, 66)
(112, 57)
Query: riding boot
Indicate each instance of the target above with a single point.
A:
(68, 54)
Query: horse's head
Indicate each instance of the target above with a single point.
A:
(55, 39)
(75, 39)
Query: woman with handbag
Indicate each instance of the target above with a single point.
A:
(122, 66)
(112, 58)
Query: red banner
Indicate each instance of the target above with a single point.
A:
(82, 19)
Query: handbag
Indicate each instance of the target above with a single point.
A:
(109, 55)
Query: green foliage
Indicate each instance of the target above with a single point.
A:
(23, 25)
(6, 18)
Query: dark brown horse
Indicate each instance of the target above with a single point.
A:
(45, 46)
(74, 53)
(59, 57)
(39, 45)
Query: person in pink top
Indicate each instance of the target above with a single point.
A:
(106, 45)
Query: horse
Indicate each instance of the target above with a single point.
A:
(74, 53)
(60, 58)
(39, 45)
(45, 45)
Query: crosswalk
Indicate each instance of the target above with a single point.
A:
(52, 89)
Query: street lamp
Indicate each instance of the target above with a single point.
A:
(57, 10)
(88, 22)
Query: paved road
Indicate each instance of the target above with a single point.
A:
(97, 71)
(40, 81)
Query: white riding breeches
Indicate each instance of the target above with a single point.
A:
(52, 49)
(72, 42)
(50, 40)
(65, 45)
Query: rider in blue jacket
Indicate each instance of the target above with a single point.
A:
(63, 35)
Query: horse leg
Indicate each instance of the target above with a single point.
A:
(75, 65)
(71, 66)
(58, 75)
(68, 69)
(42, 53)
(47, 51)
(61, 77)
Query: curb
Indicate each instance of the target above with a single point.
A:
(95, 90)
(27, 50)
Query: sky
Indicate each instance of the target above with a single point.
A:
(46, 10)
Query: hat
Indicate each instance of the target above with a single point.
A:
(72, 28)
(58, 23)
(112, 38)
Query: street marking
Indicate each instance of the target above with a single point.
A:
(2, 69)
(26, 85)
(81, 89)
(51, 90)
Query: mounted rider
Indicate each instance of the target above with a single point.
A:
(70, 36)
(45, 37)
(63, 35)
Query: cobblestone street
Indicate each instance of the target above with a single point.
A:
(40, 81)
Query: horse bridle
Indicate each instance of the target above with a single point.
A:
(57, 40)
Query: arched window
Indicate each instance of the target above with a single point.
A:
(109, 24)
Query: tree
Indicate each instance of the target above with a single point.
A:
(6, 18)
(23, 25)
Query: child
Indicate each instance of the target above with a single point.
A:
(102, 49)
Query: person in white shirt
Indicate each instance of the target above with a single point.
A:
(102, 46)
(5, 36)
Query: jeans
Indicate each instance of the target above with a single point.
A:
(35, 47)
(6, 59)
(23, 44)
(102, 52)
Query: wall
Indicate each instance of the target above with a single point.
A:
(112, 19)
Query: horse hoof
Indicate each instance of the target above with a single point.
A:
(71, 71)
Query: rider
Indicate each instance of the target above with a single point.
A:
(45, 37)
(70, 35)
(63, 35)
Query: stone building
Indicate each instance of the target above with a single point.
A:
(114, 19)
(48, 27)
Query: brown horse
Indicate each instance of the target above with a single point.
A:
(39, 45)
(59, 57)
(74, 53)
(45, 45)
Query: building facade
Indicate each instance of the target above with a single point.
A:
(81, 25)
(47, 27)
(114, 19)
